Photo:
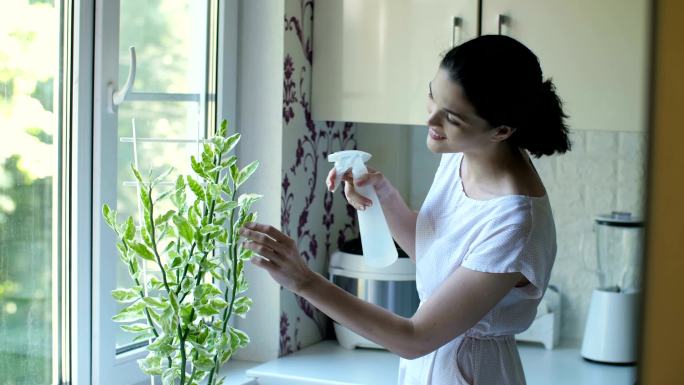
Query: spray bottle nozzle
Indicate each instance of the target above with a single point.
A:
(349, 159)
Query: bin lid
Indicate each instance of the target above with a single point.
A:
(619, 219)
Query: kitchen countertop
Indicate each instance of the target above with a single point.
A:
(326, 363)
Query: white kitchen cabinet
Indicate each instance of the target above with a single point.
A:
(595, 51)
(373, 59)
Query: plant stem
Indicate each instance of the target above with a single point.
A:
(166, 283)
(182, 336)
(154, 241)
(185, 270)
(178, 250)
(227, 312)
(233, 295)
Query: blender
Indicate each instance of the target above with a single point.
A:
(610, 334)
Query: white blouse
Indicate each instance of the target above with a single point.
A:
(513, 233)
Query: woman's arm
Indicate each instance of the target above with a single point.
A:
(400, 218)
(458, 305)
(461, 301)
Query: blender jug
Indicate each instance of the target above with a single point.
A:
(618, 250)
(610, 330)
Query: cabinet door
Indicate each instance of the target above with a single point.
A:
(595, 51)
(373, 59)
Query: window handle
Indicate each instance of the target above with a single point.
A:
(118, 96)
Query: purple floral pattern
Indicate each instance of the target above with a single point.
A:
(308, 210)
(289, 92)
(285, 345)
(296, 23)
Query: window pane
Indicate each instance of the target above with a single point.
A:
(170, 38)
(29, 159)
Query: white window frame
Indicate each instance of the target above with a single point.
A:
(81, 191)
(106, 366)
(93, 252)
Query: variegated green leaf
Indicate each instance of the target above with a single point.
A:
(135, 328)
(178, 197)
(162, 345)
(231, 142)
(109, 216)
(196, 188)
(151, 365)
(242, 305)
(141, 250)
(154, 303)
(131, 313)
(185, 230)
(126, 295)
(246, 172)
(137, 175)
(238, 338)
(174, 303)
(246, 200)
(129, 232)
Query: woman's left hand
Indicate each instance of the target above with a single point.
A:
(283, 261)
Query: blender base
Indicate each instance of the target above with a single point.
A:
(610, 334)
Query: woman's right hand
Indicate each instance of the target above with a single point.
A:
(373, 178)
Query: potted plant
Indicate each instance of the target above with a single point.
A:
(184, 308)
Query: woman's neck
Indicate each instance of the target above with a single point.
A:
(508, 172)
(489, 167)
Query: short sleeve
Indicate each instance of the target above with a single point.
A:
(508, 248)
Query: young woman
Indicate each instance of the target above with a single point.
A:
(484, 240)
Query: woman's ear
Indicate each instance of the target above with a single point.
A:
(502, 133)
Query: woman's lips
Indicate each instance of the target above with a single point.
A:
(434, 135)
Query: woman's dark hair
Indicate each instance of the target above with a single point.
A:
(502, 79)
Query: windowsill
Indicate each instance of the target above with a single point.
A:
(327, 363)
(235, 372)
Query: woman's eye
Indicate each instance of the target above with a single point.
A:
(452, 119)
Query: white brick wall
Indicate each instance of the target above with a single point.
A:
(603, 172)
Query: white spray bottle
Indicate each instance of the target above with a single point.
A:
(376, 240)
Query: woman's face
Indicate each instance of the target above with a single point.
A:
(453, 124)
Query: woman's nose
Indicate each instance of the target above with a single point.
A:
(433, 114)
(429, 104)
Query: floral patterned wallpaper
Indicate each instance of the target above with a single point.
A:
(318, 220)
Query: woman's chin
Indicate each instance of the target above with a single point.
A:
(437, 146)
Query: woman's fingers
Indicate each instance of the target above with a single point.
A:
(264, 251)
(330, 180)
(259, 237)
(371, 177)
(360, 202)
(357, 200)
(269, 230)
(281, 257)
(266, 241)
(332, 177)
(264, 263)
